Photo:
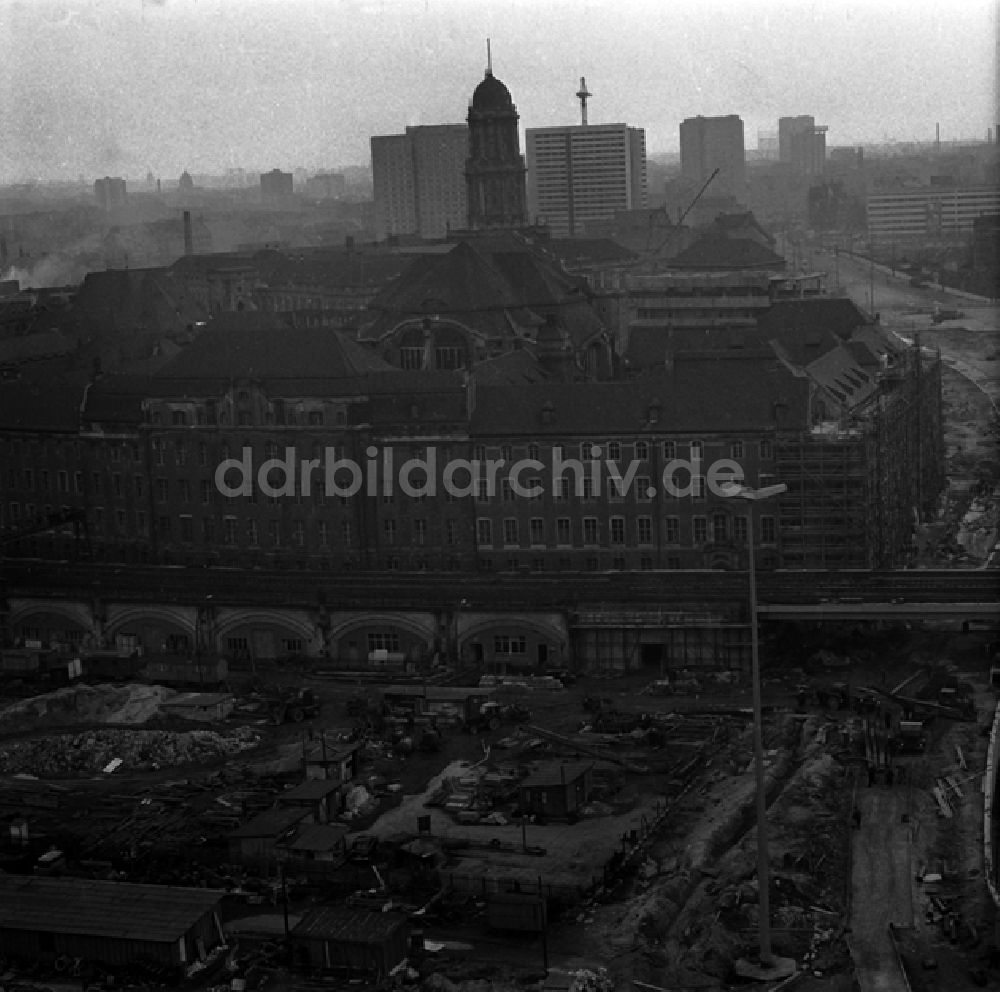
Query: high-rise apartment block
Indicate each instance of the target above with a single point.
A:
(275, 185)
(710, 143)
(419, 180)
(802, 145)
(110, 192)
(580, 174)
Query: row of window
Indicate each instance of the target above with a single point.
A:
(613, 450)
(721, 528)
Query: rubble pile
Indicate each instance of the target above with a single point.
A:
(91, 704)
(809, 836)
(137, 750)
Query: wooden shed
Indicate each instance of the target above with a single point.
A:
(328, 762)
(323, 799)
(354, 943)
(315, 842)
(556, 790)
(109, 922)
(254, 842)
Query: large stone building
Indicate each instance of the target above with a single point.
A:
(494, 170)
(582, 174)
(487, 297)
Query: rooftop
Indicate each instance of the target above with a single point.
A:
(556, 773)
(356, 926)
(313, 788)
(270, 823)
(317, 837)
(123, 910)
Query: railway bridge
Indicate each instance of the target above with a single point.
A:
(500, 622)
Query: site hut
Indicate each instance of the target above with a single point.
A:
(321, 798)
(203, 707)
(114, 923)
(331, 764)
(353, 943)
(325, 842)
(255, 842)
(556, 790)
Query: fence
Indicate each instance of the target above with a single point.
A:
(989, 798)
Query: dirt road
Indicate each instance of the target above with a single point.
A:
(881, 887)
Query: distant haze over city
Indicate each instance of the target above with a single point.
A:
(124, 87)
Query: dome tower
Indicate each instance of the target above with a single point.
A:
(494, 170)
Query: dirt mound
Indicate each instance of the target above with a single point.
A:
(91, 704)
(137, 750)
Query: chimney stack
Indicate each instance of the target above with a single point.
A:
(188, 238)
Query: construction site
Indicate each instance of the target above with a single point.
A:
(507, 833)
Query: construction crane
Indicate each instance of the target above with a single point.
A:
(687, 210)
(690, 206)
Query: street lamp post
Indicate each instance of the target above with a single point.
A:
(767, 960)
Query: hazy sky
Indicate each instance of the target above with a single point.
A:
(94, 87)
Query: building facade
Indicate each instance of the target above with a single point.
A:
(582, 174)
(710, 143)
(802, 145)
(419, 181)
(930, 214)
(275, 185)
(110, 192)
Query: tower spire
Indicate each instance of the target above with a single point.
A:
(489, 59)
(582, 95)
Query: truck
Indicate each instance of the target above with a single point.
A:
(480, 713)
(941, 314)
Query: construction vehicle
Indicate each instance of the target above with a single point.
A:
(294, 707)
(911, 737)
(941, 315)
(481, 713)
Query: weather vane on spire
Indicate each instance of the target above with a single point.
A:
(582, 95)
(489, 59)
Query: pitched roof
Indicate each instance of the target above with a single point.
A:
(836, 316)
(317, 837)
(116, 398)
(31, 347)
(42, 401)
(355, 926)
(122, 910)
(270, 823)
(648, 346)
(556, 773)
(717, 251)
(838, 372)
(516, 366)
(489, 284)
(705, 392)
(255, 347)
(311, 788)
(583, 251)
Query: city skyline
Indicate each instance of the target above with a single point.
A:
(128, 86)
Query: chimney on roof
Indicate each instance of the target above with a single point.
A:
(188, 238)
